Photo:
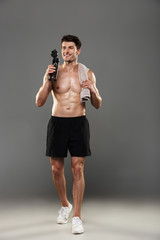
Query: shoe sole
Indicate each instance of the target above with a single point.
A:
(62, 222)
(74, 232)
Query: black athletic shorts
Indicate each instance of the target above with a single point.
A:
(68, 133)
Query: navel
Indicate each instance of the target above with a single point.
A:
(57, 87)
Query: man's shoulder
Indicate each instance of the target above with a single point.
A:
(90, 72)
(82, 66)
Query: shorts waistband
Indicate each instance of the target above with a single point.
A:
(78, 117)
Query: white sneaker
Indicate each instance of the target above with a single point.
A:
(64, 214)
(77, 226)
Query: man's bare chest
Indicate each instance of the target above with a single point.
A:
(67, 82)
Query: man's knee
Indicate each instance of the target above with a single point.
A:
(57, 171)
(77, 169)
(57, 168)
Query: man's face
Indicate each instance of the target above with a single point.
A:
(69, 51)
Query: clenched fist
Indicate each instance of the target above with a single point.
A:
(88, 84)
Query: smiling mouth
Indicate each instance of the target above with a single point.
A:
(67, 55)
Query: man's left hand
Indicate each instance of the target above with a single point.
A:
(88, 84)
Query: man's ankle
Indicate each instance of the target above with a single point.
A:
(77, 215)
(65, 204)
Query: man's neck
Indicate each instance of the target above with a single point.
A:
(70, 66)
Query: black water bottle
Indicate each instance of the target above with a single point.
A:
(55, 62)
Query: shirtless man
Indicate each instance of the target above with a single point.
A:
(68, 127)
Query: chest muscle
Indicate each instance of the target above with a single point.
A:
(67, 82)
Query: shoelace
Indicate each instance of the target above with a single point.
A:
(77, 220)
(63, 211)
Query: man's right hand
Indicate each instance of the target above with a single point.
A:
(49, 70)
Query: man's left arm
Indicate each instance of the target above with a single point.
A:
(96, 99)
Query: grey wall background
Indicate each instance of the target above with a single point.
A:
(121, 45)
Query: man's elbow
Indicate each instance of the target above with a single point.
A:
(97, 106)
(39, 103)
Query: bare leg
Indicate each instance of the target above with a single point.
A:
(59, 179)
(78, 184)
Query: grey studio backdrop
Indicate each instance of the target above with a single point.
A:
(120, 44)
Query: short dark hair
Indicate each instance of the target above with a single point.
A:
(72, 38)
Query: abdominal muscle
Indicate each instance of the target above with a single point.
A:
(67, 105)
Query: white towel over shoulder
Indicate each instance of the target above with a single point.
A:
(83, 75)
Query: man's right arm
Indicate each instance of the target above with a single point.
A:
(46, 88)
